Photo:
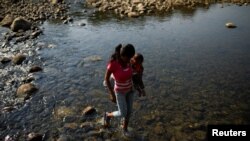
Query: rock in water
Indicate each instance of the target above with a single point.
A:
(230, 25)
(88, 110)
(35, 69)
(34, 137)
(26, 89)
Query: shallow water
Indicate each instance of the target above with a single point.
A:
(197, 72)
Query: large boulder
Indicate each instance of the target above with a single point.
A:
(7, 21)
(20, 24)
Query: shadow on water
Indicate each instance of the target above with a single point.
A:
(196, 73)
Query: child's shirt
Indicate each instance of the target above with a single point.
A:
(137, 75)
(137, 68)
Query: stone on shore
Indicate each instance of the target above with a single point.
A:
(20, 24)
(7, 20)
(5, 60)
(18, 59)
(133, 14)
(55, 1)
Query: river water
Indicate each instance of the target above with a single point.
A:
(197, 72)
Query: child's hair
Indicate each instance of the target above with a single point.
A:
(128, 51)
(116, 54)
(139, 57)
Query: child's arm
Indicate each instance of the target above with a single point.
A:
(141, 83)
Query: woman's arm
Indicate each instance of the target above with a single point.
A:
(110, 88)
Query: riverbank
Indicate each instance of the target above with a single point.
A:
(19, 55)
(136, 8)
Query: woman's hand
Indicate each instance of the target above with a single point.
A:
(107, 82)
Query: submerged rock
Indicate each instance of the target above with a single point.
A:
(93, 58)
(8, 138)
(35, 69)
(63, 111)
(230, 25)
(26, 89)
(34, 137)
(88, 110)
(35, 34)
(63, 138)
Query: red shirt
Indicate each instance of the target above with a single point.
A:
(122, 76)
(137, 68)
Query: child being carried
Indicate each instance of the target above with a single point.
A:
(136, 63)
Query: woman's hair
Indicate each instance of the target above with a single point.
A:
(116, 54)
(127, 51)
